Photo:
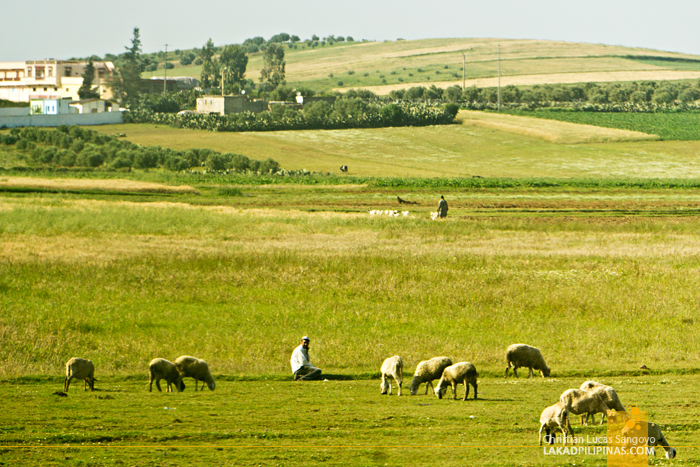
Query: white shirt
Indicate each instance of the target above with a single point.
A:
(300, 358)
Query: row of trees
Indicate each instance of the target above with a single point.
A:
(72, 146)
(231, 65)
(343, 113)
(641, 92)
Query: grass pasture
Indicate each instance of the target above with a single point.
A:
(485, 144)
(270, 422)
(603, 280)
(601, 271)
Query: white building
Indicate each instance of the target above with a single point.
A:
(50, 107)
(50, 79)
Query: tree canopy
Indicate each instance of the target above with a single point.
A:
(273, 65)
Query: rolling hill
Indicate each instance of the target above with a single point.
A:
(384, 66)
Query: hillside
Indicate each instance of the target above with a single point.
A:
(384, 66)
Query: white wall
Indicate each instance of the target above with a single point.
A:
(104, 118)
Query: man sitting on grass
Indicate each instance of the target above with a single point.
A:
(301, 367)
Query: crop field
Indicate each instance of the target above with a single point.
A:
(383, 66)
(484, 144)
(598, 265)
(682, 126)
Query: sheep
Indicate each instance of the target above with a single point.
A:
(194, 368)
(459, 373)
(553, 417)
(80, 368)
(427, 371)
(392, 367)
(160, 368)
(654, 437)
(578, 401)
(608, 395)
(522, 355)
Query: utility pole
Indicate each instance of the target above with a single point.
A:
(223, 80)
(464, 67)
(499, 77)
(165, 69)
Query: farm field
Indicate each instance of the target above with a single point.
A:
(383, 66)
(679, 126)
(336, 422)
(123, 267)
(493, 146)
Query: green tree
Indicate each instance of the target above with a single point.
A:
(234, 58)
(127, 84)
(210, 69)
(273, 65)
(86, 91)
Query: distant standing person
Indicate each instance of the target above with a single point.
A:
(301, 366)
(442, 207)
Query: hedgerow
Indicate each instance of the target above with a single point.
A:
(73, 146)
(344, 113)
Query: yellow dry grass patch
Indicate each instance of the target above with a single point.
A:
(550, 130)
(553, 78)
(103, 250)
(93, 184)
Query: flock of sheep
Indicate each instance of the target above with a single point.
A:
(159, 368)
(590, 399)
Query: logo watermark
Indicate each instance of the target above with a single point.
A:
(626, 444)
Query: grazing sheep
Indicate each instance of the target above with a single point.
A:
(654, 437)
(459, 373)
(553, 417)
(392, 367)
(608, 395)
(578, 401)
(80, 368)
(522, 355)
(160, 368)
(191, 367)
(427, 371)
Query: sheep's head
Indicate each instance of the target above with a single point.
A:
(211, 384)
(546, 372)
(384, 386)
(439, 392)
(414, 386)
(670, 453)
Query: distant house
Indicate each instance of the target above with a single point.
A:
(155, 85)
(225, 105)
(87, 106)
(49, 107)
(50, 79)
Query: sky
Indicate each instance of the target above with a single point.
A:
(80, 28)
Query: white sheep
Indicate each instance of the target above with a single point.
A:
(160, 368)
(654, 437)
(578, 401)
(553, 417)
(522, 355)
(459, 373)
(80, 368)
(427, 371)
(392, 368)
(609, 396)
(191, 367)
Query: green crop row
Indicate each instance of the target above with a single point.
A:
(684, 126)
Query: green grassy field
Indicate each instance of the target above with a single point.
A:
(269, 422)
(680, 126)
(602, 276)
(440, 60)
